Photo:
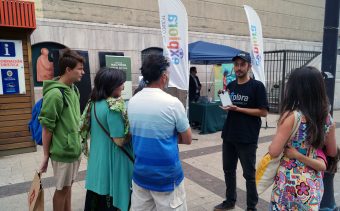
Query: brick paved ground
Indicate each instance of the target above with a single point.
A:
(202, 166)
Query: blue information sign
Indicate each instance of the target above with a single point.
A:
(7, 49)
(10, 81)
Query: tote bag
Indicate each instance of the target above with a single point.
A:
(36, 194)
(267, 168)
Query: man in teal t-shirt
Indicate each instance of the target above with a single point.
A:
(59, 117)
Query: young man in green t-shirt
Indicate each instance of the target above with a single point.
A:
(59, 117)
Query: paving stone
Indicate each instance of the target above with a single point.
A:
(203, 157)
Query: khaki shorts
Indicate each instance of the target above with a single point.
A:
(146, 200)
(65, 173)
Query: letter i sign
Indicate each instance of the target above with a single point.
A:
(7, 49)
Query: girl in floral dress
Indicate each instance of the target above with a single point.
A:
(297, 186)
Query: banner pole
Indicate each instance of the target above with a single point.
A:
(206, 79)
(266, 126)
(187, 98)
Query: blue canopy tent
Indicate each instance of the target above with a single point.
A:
(201, 52)
(205, 53)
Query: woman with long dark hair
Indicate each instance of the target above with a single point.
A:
(297, 186)
(109, 169)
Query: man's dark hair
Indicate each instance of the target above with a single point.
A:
(192, 69)
(69, 58)
(153, 66)
(106, 81)
(141, 86)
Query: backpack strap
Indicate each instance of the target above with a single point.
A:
(62, 90)
(76, 90)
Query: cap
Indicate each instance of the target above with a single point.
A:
(243, 55)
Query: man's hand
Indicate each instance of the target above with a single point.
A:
(229, 108)
(44, 165)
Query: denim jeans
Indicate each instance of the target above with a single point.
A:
(328, 201)
(247, 155)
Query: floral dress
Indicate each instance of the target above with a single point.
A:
(297, 186)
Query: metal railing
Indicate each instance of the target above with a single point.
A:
(278, 66)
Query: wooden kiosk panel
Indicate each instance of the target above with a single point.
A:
(17, 22)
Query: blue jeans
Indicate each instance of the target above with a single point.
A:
(247, 155)
(328, 201)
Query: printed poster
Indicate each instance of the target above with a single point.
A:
(122, 63)
(10, 81)
(224, 74)
(12, 77)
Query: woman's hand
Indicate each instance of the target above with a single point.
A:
(291, 152)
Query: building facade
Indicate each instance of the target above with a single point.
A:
(17, 21)
(131, 26)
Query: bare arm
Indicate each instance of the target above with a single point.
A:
(259, 112)
(185, 137)
(282, 134)
(317, 164)
(225, 82)
(330, 142)
(46, 140)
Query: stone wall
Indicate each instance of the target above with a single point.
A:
(93, 37)
(293, 19)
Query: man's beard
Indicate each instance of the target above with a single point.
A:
(243, 75)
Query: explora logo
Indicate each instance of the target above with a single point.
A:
(238, 97)
(256, 50)
(176, 52)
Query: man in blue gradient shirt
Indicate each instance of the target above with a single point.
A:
(158, 123)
